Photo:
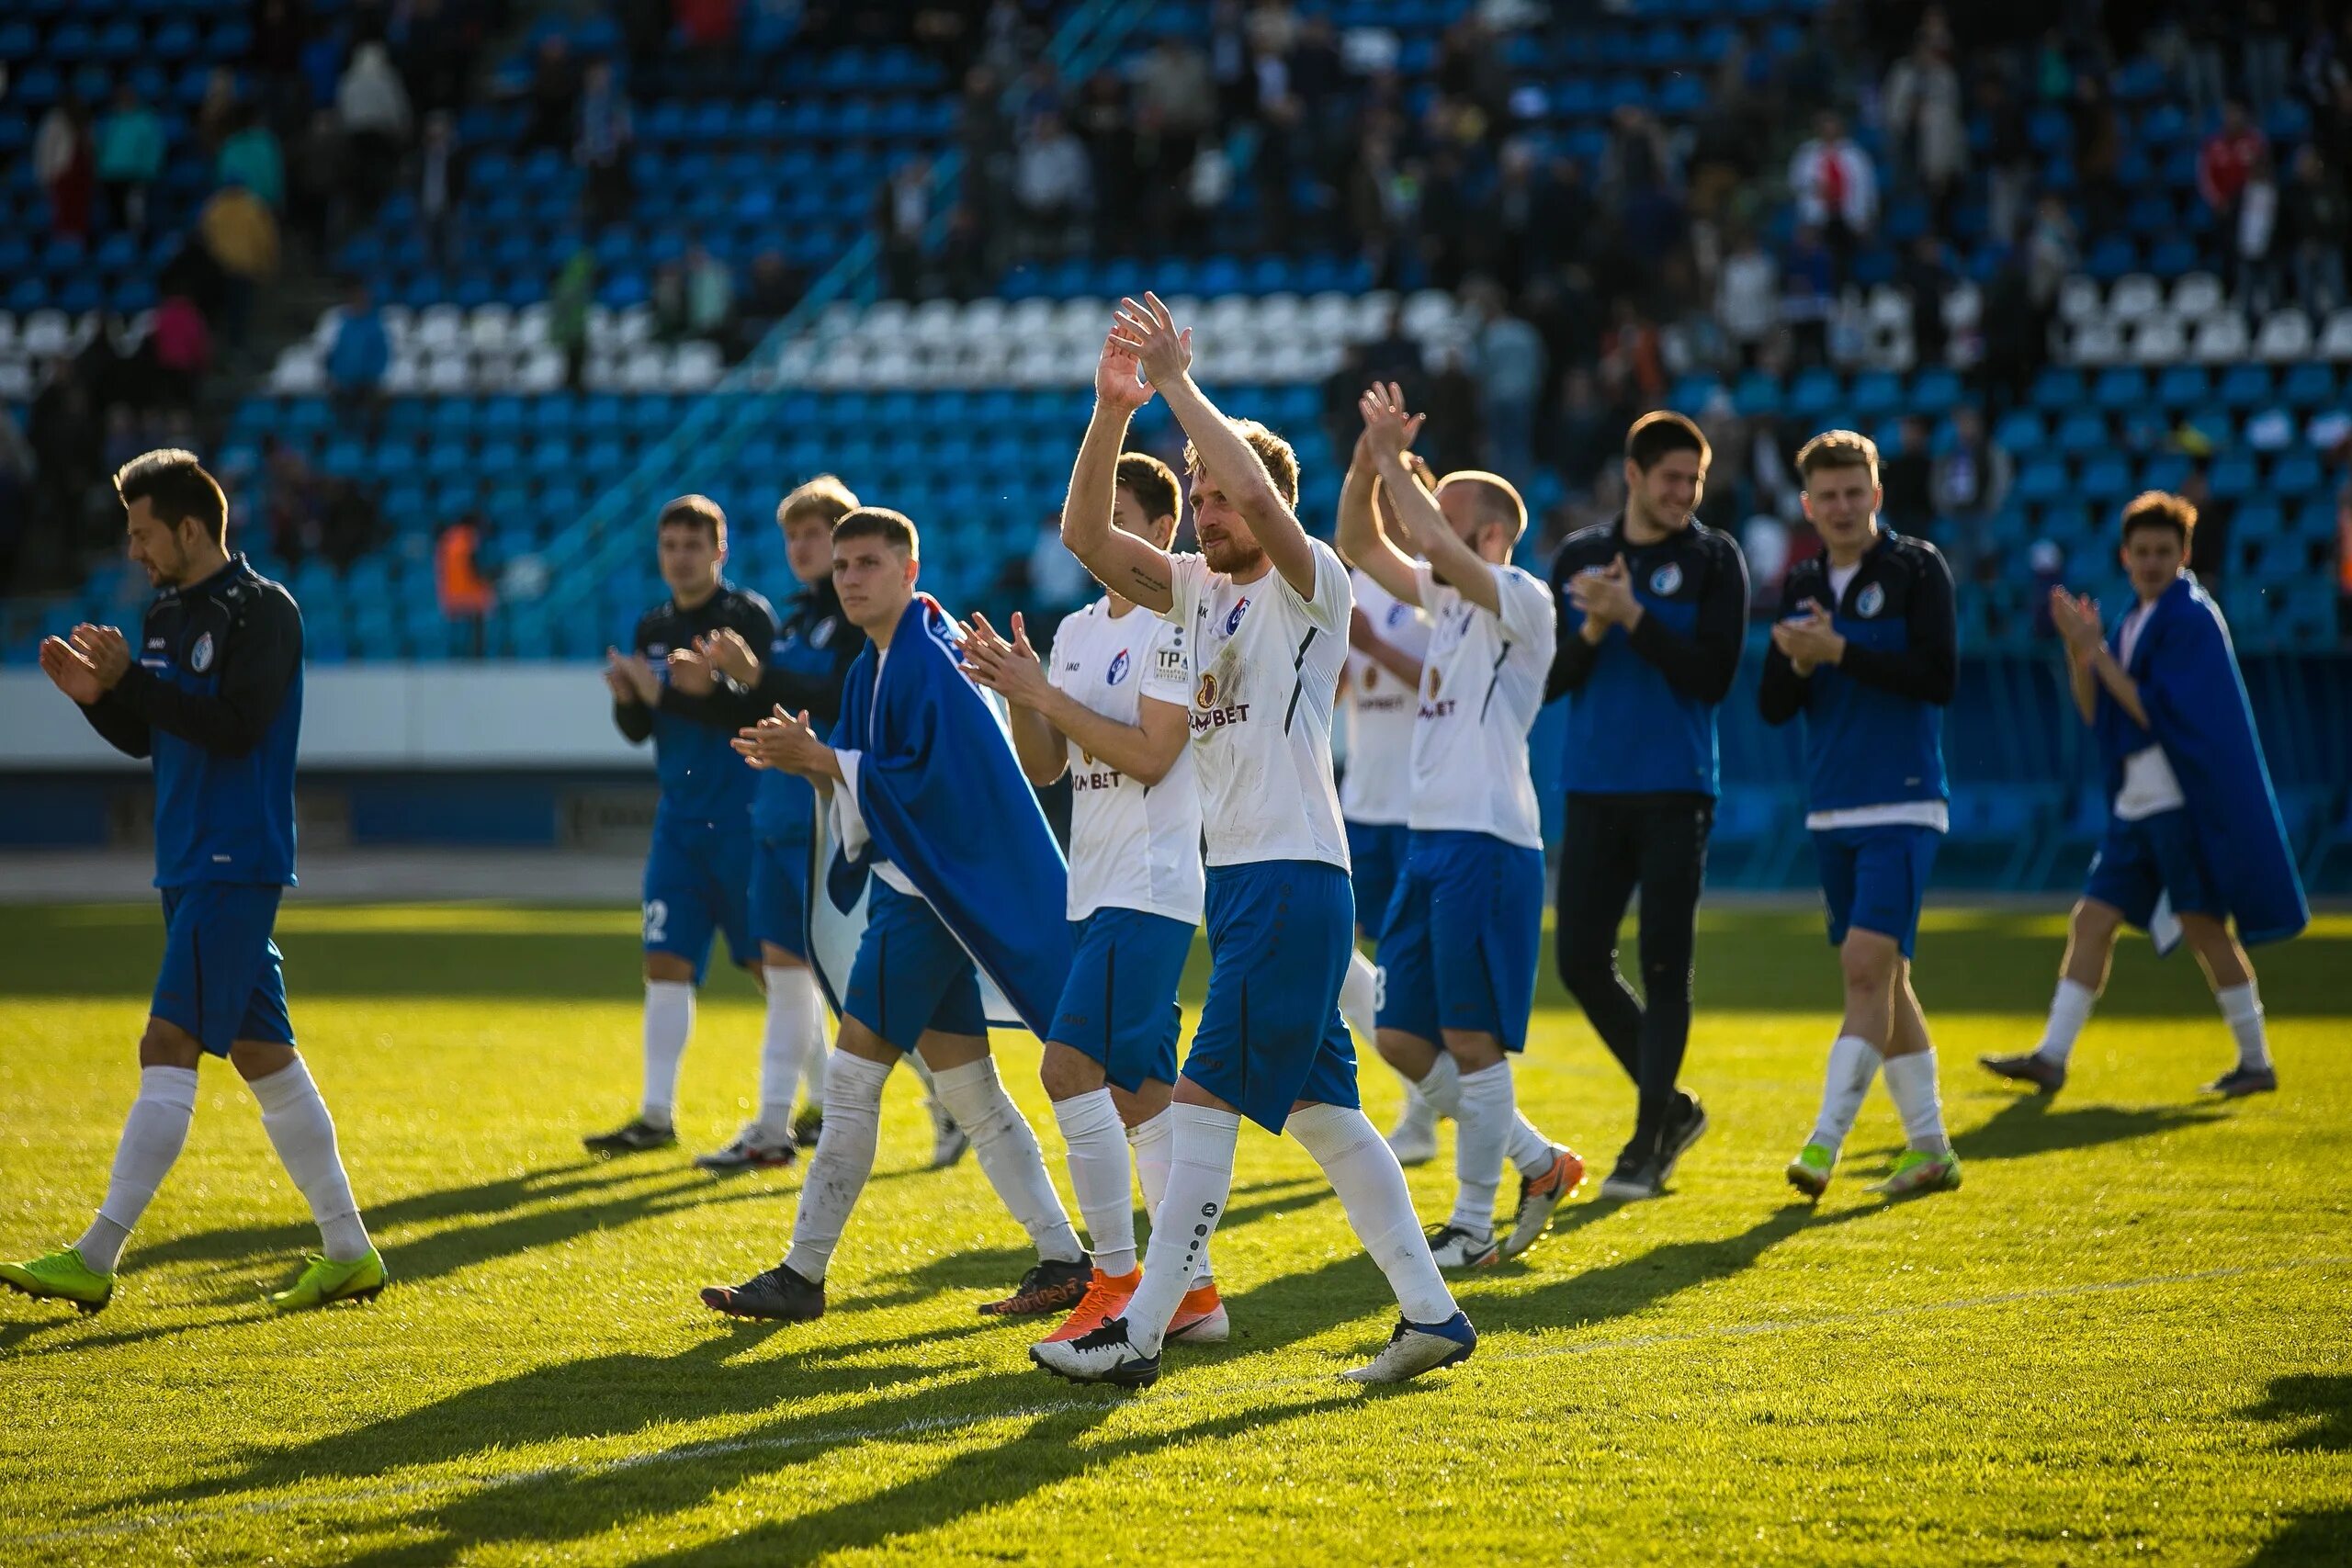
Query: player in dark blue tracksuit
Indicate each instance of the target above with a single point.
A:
(698, 873)
(800, 670)
(214, 694)
(1653, 612)
(1865, 649)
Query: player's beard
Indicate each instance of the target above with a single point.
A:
(1231, 556)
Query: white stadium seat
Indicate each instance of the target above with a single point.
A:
(2336, 341)
(491, 329)
(440, 329)
(2078, 300)
(1430, 312)
(7, 329)
(531, 325)
(47, 333)
(2158, 340)
(2287, 335)
(404, 377)
(2098, 342)
(2197, 296)
(2134, 294)
(2219, 339)
(1963, 308)
(447, 375)
(541, 371)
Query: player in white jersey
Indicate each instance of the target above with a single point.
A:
(1264, 610)
(1108, 707)
(1459, 945)
(1387, 637)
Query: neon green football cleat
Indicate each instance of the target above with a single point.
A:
(1809, 1172)
(59, 1276)
(1917, 1172)
(325, 1282)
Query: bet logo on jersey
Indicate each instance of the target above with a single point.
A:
(1665, 579)
(1118, 670)
(1869, 601)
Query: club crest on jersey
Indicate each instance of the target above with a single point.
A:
(821, 633)
(1233, 621)
(1869, 601)
(199, 657)
(1204, 695)
(1399, 613)
(1118, 670)
(1665, 579)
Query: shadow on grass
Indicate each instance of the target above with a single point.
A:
(2320, 1407)
(2030, 1125)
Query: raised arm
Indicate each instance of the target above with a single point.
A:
(1146, 330)
(1132, 568)
(1361, 541)
(1391, 432)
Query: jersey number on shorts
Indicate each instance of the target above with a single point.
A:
(657, 922)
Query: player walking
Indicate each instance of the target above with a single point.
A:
(1265, 612)
(1653, 614)
(1867, 649)
(1458, 948)
(1110, 708)
(961, 874)
(2194, 838)
(698, 873)
(214, 695)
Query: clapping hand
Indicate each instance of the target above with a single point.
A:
(690, 673)
(1605, 594)
(2077, 619)
(70, 670)
(1010, 669)
(1809, 640)
(631, 678)
(785, 742)
(104, 650)
(1116, 385)
(1388, 429)
(726, 651)
(1146, 330)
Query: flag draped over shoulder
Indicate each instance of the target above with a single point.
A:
(2198, 711)
(943, 799)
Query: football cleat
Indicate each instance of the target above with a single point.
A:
(1685, 1125)
(1540, 1198)
(61, 1275)
(1104, 1356)
(1640, 1173)
(1809, 1172)
(1917, 1172)
(1414, 1138)
(2044, 1074)
(752, 1150)
(1416, 1348)
(776, 1295)
(1106, 1298)
(1452, 1246)
(1050, 1286)
(948, 1141)
(324, 1281)
(637, 1137)
(1200, 1317)
(2239, 1082)
(809, 1126)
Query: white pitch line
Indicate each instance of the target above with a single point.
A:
(197, 1511)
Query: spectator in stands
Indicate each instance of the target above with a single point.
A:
(360, 354)
(2099, 152)
(2226, 162)
(568, 302)
(436, 52)
(250, 157)
(290, 507)
(2010, 162)
(1172, 95)
(440, 185)
(281, 28)
(1052, 185)
(129, 156)
(182, 342)
(1836, 187)
(1453, 406)
(315, 185)
(1970, 480)
(2254, 237)
(1747, 299)
(2053, 254)
(466, 595)
(1925, 278)
(1904, 475)
(1510, 363)
(902, 221)
(2318, 227)
(372, 106)
(1589, 433)
(216, 112)
(65, 163)
(606, 134)
(695, 298)
(1923, 114)
(554, 97)
(237, 230)
(1808, 295)
(773, 290)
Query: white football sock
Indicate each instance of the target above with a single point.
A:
(795, 1026)
(669, 1020)
(1008, 1156)
(1153, 1141)
(1529, 1151)
(1360, 997)
(1098, 1175)
(1911, 1083)
(1853, 1063)
(1371, 1186)
(2242, 1010)
(844, 1158)
(814, 1061)
(1442, 1086)
(153, 1135)
(1487, 1114)
(303, 1134)
(1200, 1179)
(2069, 1010)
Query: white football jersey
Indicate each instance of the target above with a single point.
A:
(1265, 670)
(1132, 845)
(1482, 683)
(1379, 784)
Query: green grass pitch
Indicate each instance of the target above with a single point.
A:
(2125, 1339)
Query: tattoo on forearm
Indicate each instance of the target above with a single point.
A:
(1146, 579)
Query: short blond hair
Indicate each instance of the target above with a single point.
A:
(1498, 498)
(1276, 455)
(2160, 509)
(1839, 449)
(824, 498)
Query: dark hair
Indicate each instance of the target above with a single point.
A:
(825, 498)
(893, 528)
(1837, 449)
(1660, 431)
(1150, 481)
(695, 512)
(2160, 509)
(176, 488)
